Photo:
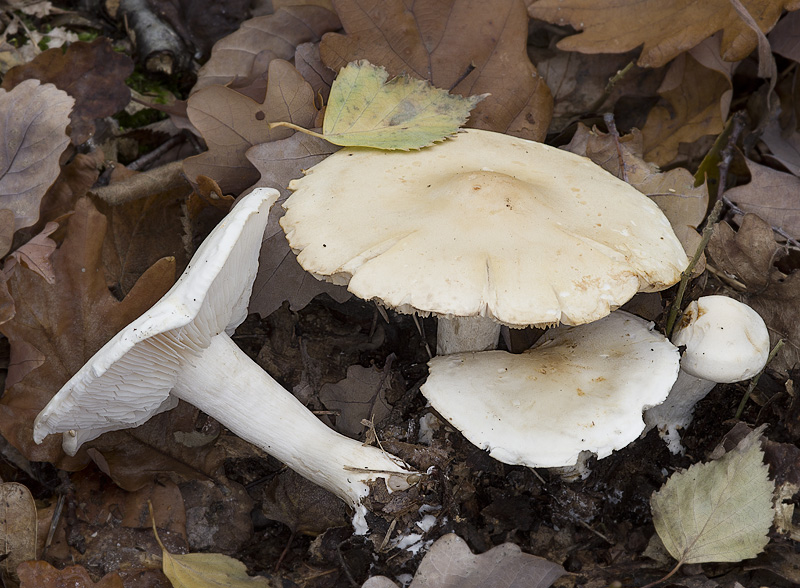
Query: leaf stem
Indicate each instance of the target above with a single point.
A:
(665, 578)
(297, 128)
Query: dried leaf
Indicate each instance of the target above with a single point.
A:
(231, 123)
(280, 277)
(247, 53)
(206, 570)
(301, 505)
(451, 564)
(362, 395)
(717, 511)
(33, 123)
(40, 574)
(17, 526)
(696, 93)
(785, 145)
(64, 325)
(366, 109)
(665, 29)
(772, 195)
(748, 255)
(785, 37)
(453, 45)
(35, 254)
(79, 72)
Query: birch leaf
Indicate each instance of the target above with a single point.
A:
(366, 109)
(718, 511)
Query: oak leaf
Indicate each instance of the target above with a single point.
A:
(665, 29)
(17, 526)
(772, 195)
(467, 47)
(33, 130)
(247, 52)
(79, 72)
(231, 123)
(57, 328)
(280, 277)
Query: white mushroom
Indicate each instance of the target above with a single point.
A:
(483, 229)
(726, 341)
(578, 389)
(181, 348)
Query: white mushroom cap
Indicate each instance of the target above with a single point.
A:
(726, 340)
(130, 378)
(483, 224)
(578, 389)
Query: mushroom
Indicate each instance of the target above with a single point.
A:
(726, 341)
(481, 230)
(181, 348)
(578, 389)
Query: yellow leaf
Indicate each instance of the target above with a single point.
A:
(717, 511)
(207, 570)
(366, 109)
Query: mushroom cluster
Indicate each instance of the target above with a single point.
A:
(486, 230)
(181, 349)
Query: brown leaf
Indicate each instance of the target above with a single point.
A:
(33, 130)
(772, 195)
(140, 233)
(80, 71)
(362, 395)
(65, 324)
(247, 53)
(17, 526)
(748, 256)
(40, 574)
(76, 178)
(785, 145)
(231, 123)
(280, 277)
(785, 37)
(451, 564)
(665, 29)
(35, 254)
(696, 95)
(308, 62)
(467, 47)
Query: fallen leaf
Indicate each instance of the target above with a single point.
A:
(65, 324)
(35, 254)
(785, 145)
(451, 564)
(362, 395)
(247, 53)
(280, 277)
(748, 256)
(665, 29)
(79, 72)
(6, 230)
(231, 123)
(467, 47)
(772, 195)
(206, 570)
(33, 123)
(717, 511)
(696, 95)
(17, 526)
(40, 574)
(309, 63)
(366, 109)
(785, 37)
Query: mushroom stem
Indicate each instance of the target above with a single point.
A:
(677, 411)
(226, 384)
(461, 334)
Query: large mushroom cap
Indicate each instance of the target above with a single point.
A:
(578, 389)
(130, 378)
(483, 224)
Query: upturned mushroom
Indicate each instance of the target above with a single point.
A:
(181, 348)
(481, 230)
(578, 389)
(725, 341)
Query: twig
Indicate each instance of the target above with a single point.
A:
(778, 230)
(754, 381)
(608, 118)
(148, 158)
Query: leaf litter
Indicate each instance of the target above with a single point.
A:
(219, 495)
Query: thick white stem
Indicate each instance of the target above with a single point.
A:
(676, 412)
(471, 333)
(226, 384)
